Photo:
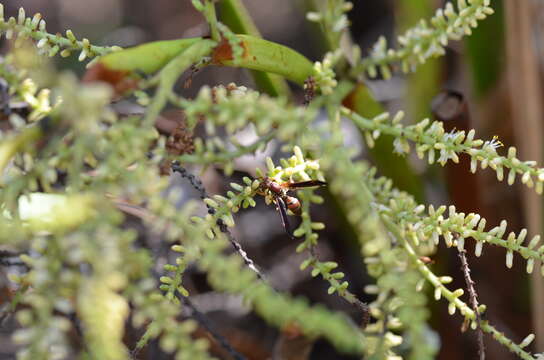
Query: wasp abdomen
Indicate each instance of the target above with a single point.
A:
(293, 204)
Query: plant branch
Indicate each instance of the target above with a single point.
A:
(235, 15)
(211, 17)
(430, 137)
(473, 302)
(324, 269)
(171, 72)
(425, 41)
(35, 28)
(197, 184)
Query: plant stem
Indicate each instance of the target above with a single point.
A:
(170, 74)
(211, 17)
(235, 15)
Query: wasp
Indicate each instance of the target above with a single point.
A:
(282, 197)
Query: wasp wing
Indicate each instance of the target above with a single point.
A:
(305, 184)
(282, 208)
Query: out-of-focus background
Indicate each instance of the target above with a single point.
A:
(498, 73)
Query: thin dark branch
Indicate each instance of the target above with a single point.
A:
(473, 302)
(206, 323)
(363, 307)
(197, 184)
(12, 262)
(200, 317)
(5, 260)
(7, 253)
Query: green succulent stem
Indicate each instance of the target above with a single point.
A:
(258, 54)
(149, 57)
(235, 15)
(267, 56)
(169, 74)
(361, 102)
(211, 17)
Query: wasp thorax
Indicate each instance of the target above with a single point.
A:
(272, 186)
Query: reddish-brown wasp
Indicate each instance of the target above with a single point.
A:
(280, 194)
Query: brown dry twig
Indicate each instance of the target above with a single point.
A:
(473, 301)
